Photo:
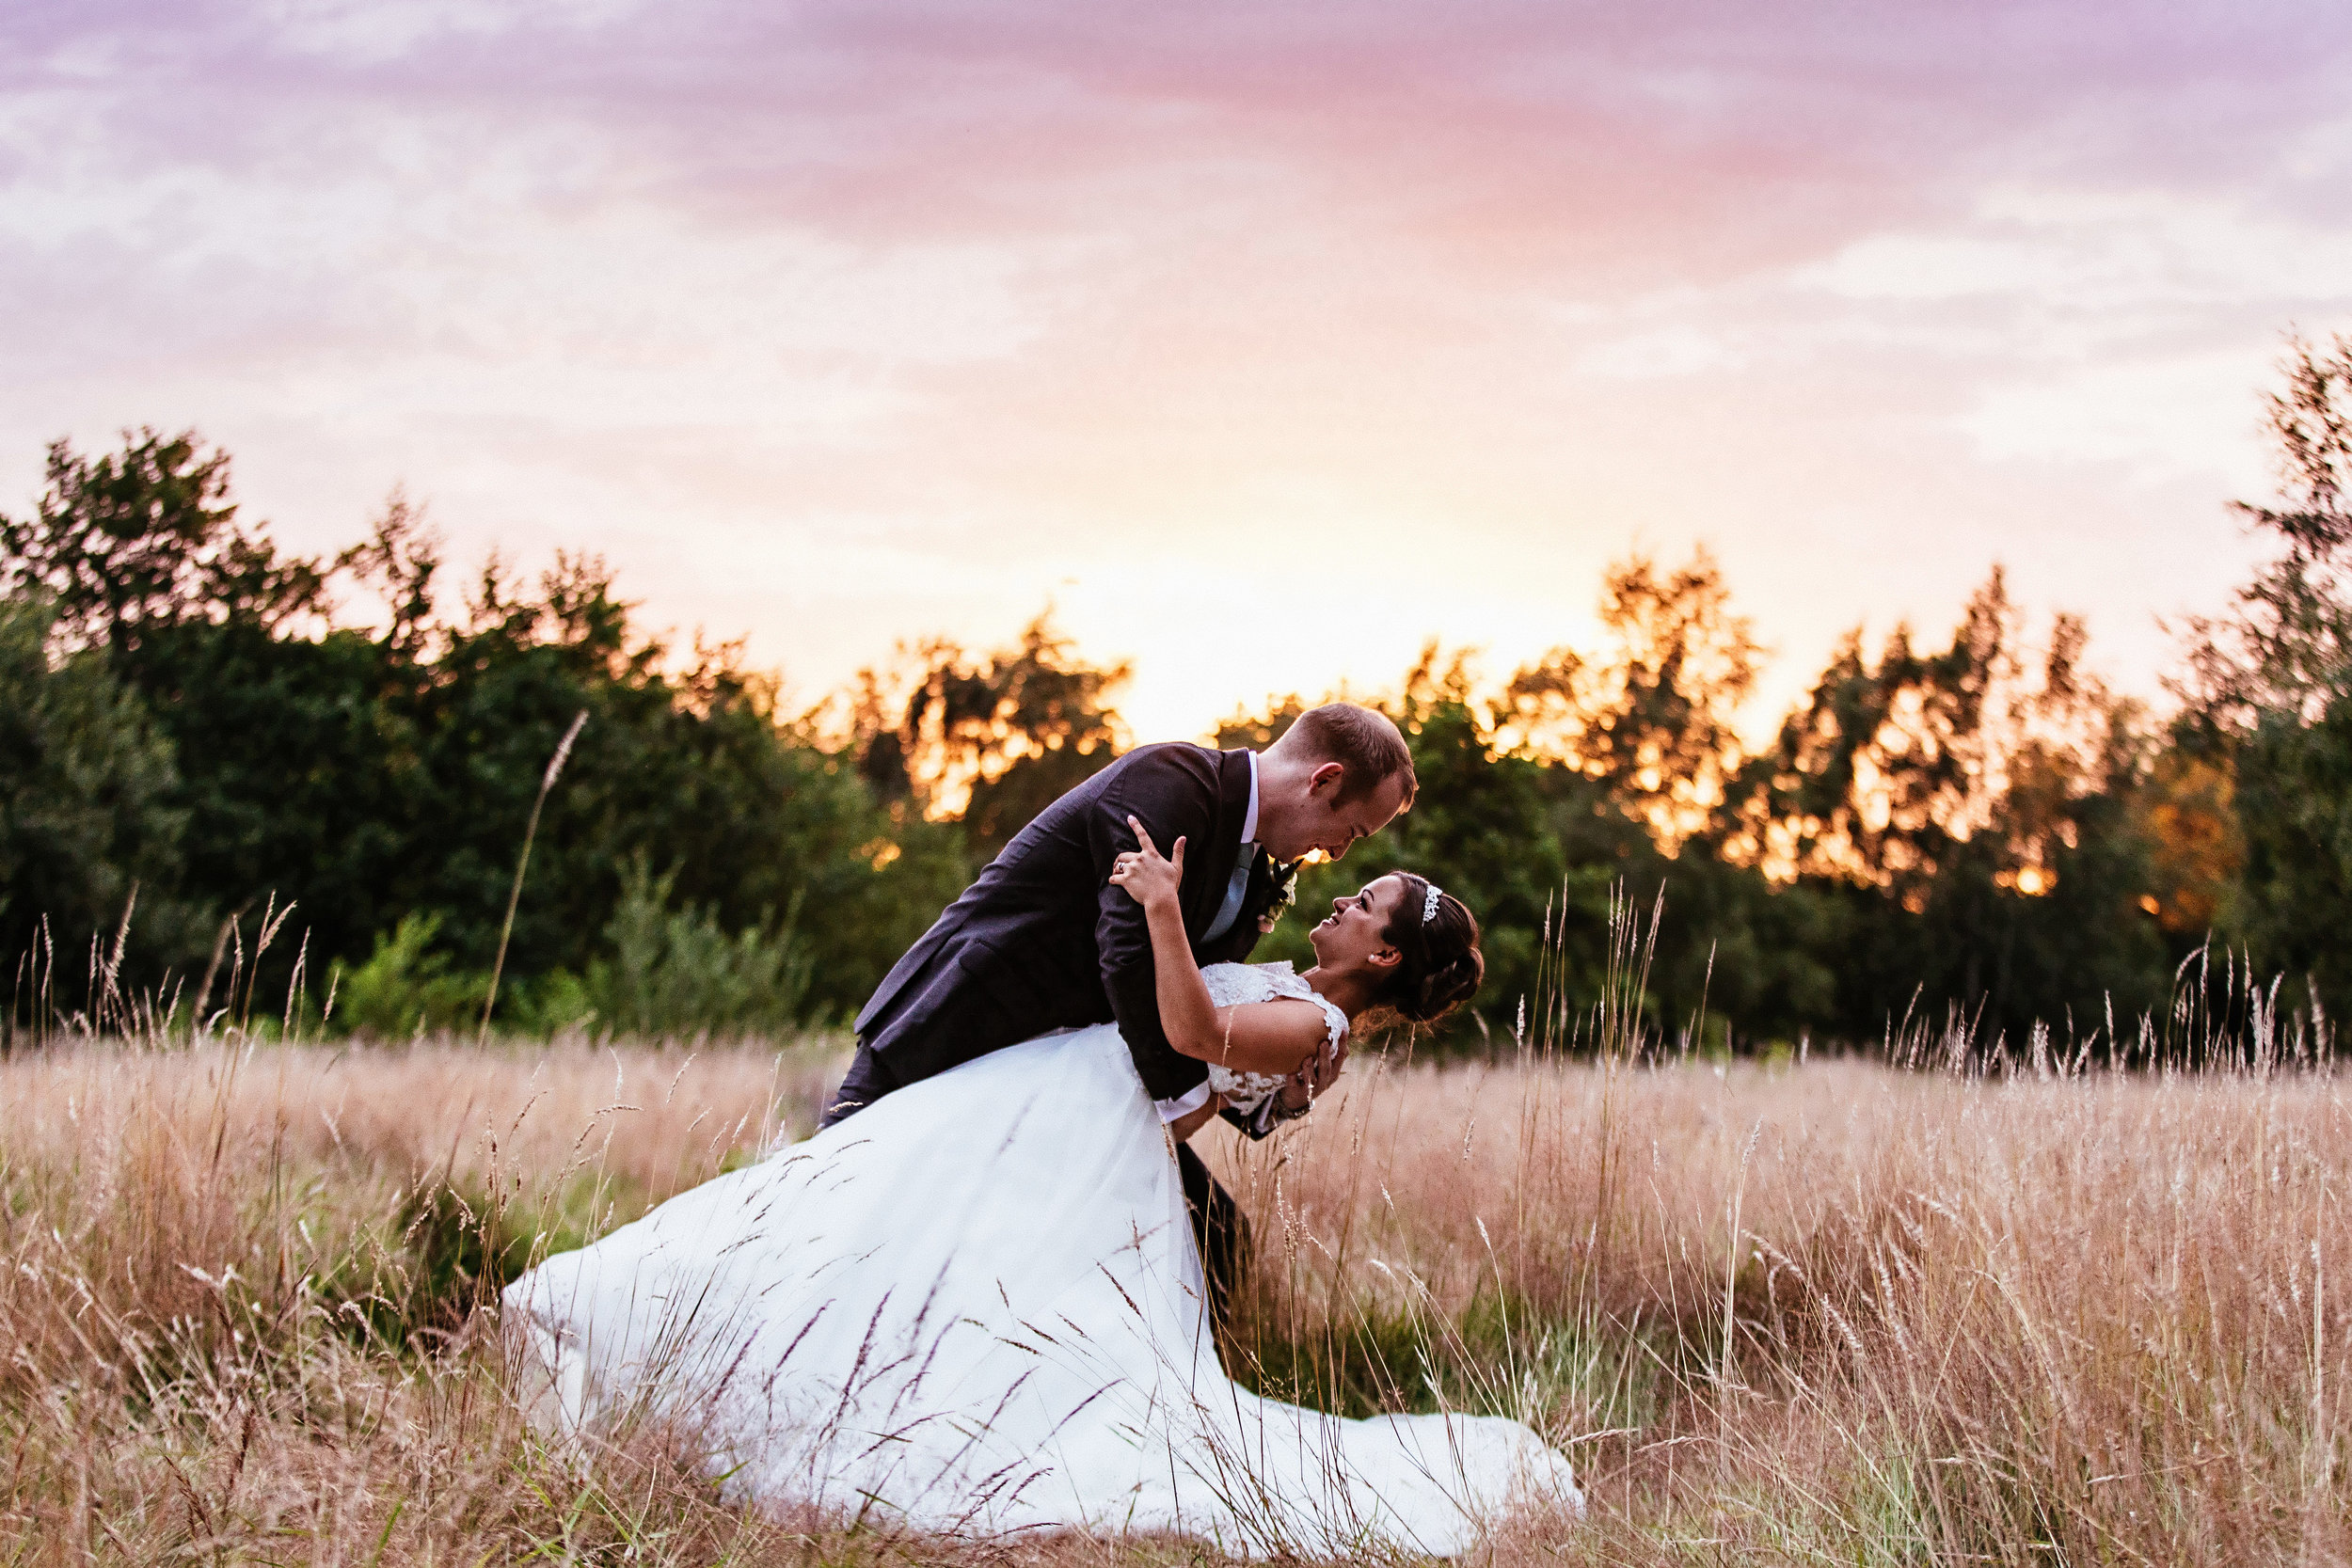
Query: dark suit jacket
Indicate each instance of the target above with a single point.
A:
(1043, 941)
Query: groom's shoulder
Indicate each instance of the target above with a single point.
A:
(1167, 764)
(1160, 775)
(1184, 756)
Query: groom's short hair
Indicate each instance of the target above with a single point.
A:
(1360, 740)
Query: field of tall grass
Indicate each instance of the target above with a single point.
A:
(1818, 1311)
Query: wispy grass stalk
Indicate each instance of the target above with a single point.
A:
(522, 861)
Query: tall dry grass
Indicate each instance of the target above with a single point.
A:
(1842, 1313)
(242, 1292)
(1829, 1312)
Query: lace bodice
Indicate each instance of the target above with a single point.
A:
(1230, 985)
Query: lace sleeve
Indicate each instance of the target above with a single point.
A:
(1334, 1021)
(1283, 982)
(1233, 985)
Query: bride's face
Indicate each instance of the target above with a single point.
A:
(1354, 935)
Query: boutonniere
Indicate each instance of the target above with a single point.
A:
(1284, 881)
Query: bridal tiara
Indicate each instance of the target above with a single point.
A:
(1429, 905)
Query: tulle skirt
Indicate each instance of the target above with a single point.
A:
(975, 1309)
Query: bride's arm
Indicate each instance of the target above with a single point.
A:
(1254, 1036)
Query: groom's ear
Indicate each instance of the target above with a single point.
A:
(1330, 774)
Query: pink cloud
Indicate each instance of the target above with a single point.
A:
(1024, 290)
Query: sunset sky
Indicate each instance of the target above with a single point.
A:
(1265, 340)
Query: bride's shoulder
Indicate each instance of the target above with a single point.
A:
(1280, 981)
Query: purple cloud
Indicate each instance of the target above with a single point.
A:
(924, 307)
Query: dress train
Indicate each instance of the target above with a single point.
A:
(975, 1309)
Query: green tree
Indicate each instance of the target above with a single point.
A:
(1638, 744)
(85, 791)
(991, 739)
(2268, 695)
(1974, 811)
(294, 749)
(690, 768)
(374, 770)
(2286, 648)
(2294, 802)
(672, 971)
(1650, 718)
(148, 537)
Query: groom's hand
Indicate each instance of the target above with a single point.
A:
(1321, 1072)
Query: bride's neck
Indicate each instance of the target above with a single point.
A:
(1348, 990)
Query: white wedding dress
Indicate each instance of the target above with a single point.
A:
(976, 1307)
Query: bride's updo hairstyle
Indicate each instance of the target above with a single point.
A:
(1441, 965)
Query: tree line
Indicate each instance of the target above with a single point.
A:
(235, 778)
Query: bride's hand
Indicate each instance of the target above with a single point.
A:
(1149, 877)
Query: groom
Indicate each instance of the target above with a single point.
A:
(1043, 941)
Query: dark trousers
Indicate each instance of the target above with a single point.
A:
(1219, 1228)
(866, 1081)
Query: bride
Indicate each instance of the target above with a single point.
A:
(977, 1307)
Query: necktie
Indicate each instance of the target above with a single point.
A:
(1234, 892)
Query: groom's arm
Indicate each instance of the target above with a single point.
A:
(1173, 795)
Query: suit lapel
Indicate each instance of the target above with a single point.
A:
(1261, 892)
(1213, 873)
(1254, 901)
